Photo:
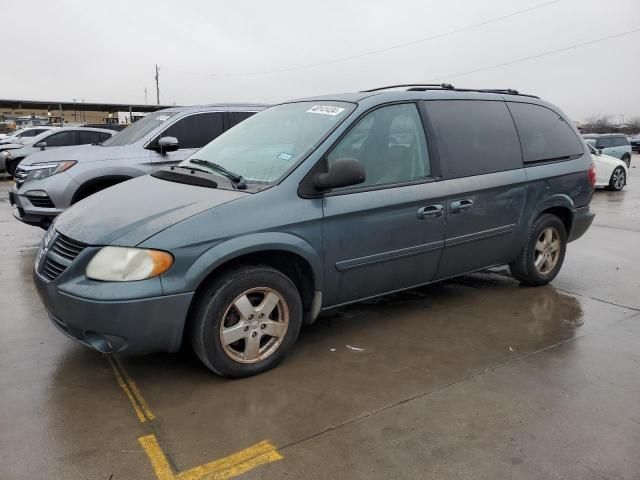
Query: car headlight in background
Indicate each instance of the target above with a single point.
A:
(122, 264)
(44, 170)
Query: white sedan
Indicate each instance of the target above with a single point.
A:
(611, 173)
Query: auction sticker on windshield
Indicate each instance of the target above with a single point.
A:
(326, 110)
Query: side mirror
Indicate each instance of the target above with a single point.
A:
(41, 145)
(168, 144)
(343, 173)
(599, 151)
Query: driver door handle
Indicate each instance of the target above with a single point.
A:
(430, 211)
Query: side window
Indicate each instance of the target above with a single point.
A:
(195, 131)
(605, 142)
(236, 117)
(61, 139)
(474, 137)
(544, 134)
(85, 137)
(620, 142)
(103, 136)
(32, 133)
(390, 143)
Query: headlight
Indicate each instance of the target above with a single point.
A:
(44, 170)
(121, 264)
(5, 153)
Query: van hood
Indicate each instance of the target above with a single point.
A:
(86, 153)
(130, 212)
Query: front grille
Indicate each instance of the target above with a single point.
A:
(59, 255)
(51, 269)
(41, 202)
(66, 247)
(20, 176)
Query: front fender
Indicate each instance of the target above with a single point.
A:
(252, 243)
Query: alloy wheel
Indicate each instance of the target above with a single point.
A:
(254, 325)
(618, 179)
(547, 251)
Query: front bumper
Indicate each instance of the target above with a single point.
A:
(582, 220)
(112, 317)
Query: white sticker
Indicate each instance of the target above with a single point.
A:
(326, 110)
(285, 156)
(163, 118)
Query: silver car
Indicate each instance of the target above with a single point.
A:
(50, 181)
(50, 139)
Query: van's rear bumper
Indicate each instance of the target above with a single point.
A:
(582, 220)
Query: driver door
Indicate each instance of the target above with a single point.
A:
(192, 131)
(386, 234)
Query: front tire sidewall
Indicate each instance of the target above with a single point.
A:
(208, 317)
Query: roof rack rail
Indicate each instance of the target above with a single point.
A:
(443, 86)
(421, 87)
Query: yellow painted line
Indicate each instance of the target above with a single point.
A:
(135, 391)
(123, 384)
(157, 457)
(222, 469)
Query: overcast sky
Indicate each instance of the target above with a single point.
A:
(213, 51)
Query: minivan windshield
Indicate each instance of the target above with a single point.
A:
(139, 129)
(264, 147)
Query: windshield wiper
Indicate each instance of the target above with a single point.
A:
(236, 178)
(191, 168)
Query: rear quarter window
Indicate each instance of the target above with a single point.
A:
(544, 134)
(474, 137)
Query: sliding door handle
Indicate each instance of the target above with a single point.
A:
(461, 205)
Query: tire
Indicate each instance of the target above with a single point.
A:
(524, 267)
(12, 165)
(626, 158)
(215, 311)
(618, 179)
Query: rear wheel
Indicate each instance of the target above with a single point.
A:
(541, 258)
(618, 179)
(246, 321)
(626, 158)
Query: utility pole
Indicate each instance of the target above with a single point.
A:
(157, 85)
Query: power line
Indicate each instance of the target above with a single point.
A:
(532, 57)
(381, 50)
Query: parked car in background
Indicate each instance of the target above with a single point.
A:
(118, 127)
(313, 204)
(51, 139)
(611, 173)
(23, 133)
(635, 143)
(160, 139)
(612, 144)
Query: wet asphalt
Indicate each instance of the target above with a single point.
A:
(472, 378)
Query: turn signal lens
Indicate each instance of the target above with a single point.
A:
(122, 264)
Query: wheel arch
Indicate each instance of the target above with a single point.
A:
(288, 253)
(92, 184)
(560, 205)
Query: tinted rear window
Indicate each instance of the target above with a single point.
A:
(544, 134)
(474, 137)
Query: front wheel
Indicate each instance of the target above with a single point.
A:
(618, 179)
(246, 321)
(12, 166)
(541, 258)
